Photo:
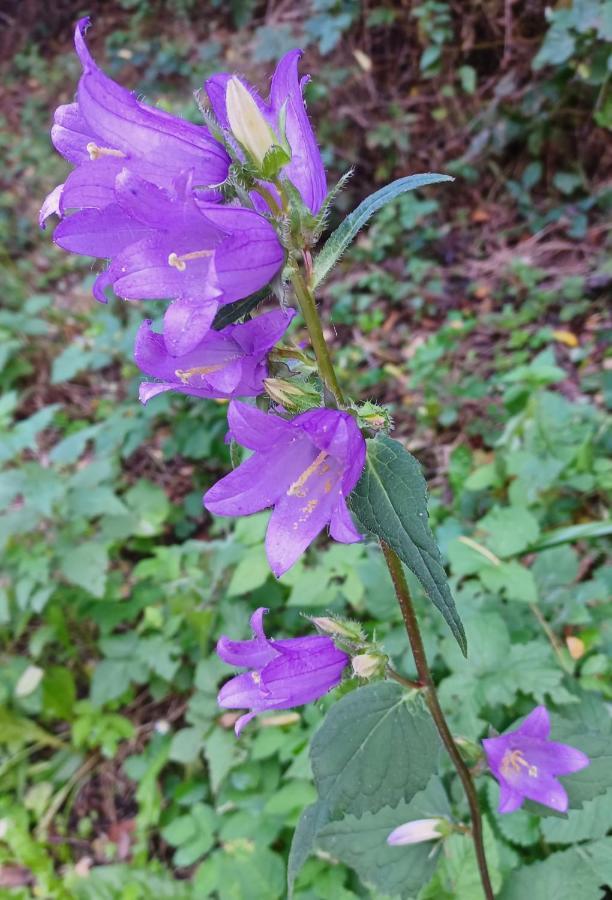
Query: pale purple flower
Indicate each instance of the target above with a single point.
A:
(172, 245)
(416, 832)
(525, 763)
(225, 364)
(305, 468)
(305, 170)
(284, 674)
(109, 129)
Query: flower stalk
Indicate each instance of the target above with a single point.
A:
(327, 372)
(418, 651)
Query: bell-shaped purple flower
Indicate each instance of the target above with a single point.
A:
(172, 245)
(305, 468)
(225, 364)
(305, 170)
(284, 674)
(525, 763)
(109, 129)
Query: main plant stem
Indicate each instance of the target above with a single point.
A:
(308, 308)
(418, 651)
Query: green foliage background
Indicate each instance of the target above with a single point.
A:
(476, 310)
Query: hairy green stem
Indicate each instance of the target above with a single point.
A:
(308, 308)
(418, 651)
(326, 370)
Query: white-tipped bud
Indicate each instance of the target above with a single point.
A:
(369, 665)
(338, 627)
(247, 122)
(417, 832)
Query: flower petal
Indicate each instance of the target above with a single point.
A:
(187, 321)
(536, 724)
(256, 429)
(509, 799)
(51, 205)
(305, 170)
(99, 232)
(301, 512)
(341, 526)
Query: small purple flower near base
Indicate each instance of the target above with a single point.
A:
(305, 468)
(225, 364)
(284, 674)
(525, 763)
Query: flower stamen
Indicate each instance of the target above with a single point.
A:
(96, 152)
(186, 375)
(512, 762)
(297, 488)
(180, 262)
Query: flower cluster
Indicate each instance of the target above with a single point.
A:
(151, 194)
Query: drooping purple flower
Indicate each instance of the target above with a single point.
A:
(305, 468)
(305, 170)
(109, 129)
(225, 364)
(284, 674)
(525, 763)
(166, 244)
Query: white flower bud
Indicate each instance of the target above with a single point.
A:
(416, 832)
(247, 122)
(367, 665)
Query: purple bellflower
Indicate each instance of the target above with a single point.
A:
(525, 763)
(283, 674)
(225, 364)
(305, 468)
(165, 245)
(305, 170)
(109, 129)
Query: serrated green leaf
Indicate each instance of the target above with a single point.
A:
(361, 842)
(86, 566)
(593, 820)
(576, 873)
(337, 243)
(377, 745)
(390, 500)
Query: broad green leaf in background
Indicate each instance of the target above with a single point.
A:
(390, 500)
(377, 746)
(361, 842)
(337, 243)
(86, 566)
(575, 874)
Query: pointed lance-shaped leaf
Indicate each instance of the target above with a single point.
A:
(337, 243)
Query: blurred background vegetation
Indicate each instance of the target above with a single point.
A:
(477, 311)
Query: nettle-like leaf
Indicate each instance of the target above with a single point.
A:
(377, 747)
(338, 242)
(390, 501)
(361, 843)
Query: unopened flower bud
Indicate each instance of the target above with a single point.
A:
(368, 665)
(247, 122)
(293, 395)
(339, 627)
(374, 416)
(417, 831)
